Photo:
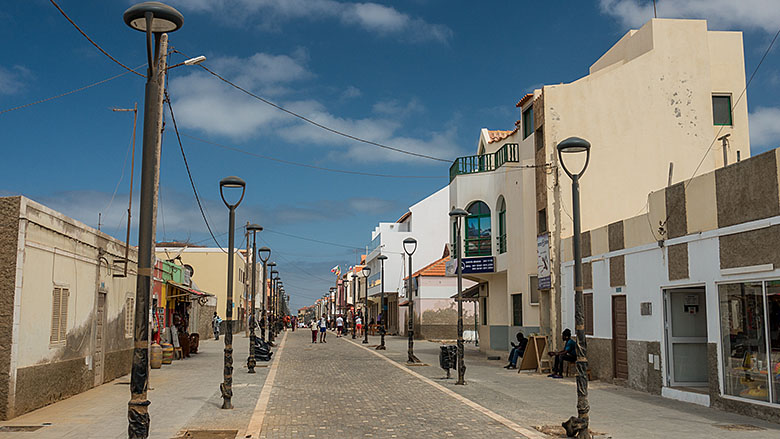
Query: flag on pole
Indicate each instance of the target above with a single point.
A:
(336, 270)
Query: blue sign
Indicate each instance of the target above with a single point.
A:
(485, 264)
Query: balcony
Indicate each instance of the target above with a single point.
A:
(475, 164)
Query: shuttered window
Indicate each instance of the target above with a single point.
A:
(588, 302)
(129, 316)
(59, 315)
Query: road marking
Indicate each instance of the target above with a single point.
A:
(256, 422)
(530, 434)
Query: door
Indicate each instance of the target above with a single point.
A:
(686, 337)
(100, 325)
(619, 338)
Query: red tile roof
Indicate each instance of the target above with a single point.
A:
(436, 268)
(499, 135)
(404, 217)
(524, 100)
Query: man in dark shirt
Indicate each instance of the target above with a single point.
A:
(569, 353)
(517, 351)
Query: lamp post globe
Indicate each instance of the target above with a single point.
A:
(410, 246)
(578, 426)
(457, 214)
(366, 272)
(154, 19)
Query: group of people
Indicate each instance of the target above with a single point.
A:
(320, 326)
(568, 353)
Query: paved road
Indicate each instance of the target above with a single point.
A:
(341, 390)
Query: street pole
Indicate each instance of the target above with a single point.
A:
(382, 316)
(227, 385)
(410, 242)
(366, 272)
(458, 214)
(578, 426)
(251, 362)
(138, 407)
(354, 304)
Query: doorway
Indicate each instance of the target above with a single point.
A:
(619, 338)
(685, 323)
(100, 325)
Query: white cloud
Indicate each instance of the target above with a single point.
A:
(720, 14)
(397, 109)
(374, 17)
(764, 128)
(12, 80)
(351, 92)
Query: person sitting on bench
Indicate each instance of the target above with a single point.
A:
(569, 353)
(517, 350)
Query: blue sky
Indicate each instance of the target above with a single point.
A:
(421, 75)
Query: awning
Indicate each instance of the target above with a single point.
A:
(469, 294)
(188, 290)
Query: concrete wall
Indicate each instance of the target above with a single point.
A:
(52, 250)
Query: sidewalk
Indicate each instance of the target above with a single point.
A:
(184, 395)
(532, 400)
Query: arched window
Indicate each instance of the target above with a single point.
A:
(478, 230)
(501, 225)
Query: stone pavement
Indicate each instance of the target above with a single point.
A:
(530, 399)
(185, 396)
(341, 390)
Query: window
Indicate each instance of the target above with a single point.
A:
(587, 300)
(478, 230)
(129, 316)
(750, 327)
(721, 110)
(517, 309)
(501, 225)
(542, 221)
(528, 121)
(59, 315)
(533, 288)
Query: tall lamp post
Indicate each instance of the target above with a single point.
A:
(264, 253)
(459, 213)
(410, 245)
(227, 385)
(578, 426)
(279, 308)
(250, 362)
(154, 19)
(354, 303)
(274, 316)
(365, 272)
(269, 336)
(382, 314)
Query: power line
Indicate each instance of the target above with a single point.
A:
(305, 165)
(311, 239)
(189, 174)
(312, 122)
(64, 94)
(93, 42)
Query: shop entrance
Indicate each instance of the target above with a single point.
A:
(685, 322)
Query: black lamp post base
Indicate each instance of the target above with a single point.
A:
(413, 360)
(381, 348)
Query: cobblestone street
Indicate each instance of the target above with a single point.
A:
(340, 390)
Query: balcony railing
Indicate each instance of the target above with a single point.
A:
(474, 164)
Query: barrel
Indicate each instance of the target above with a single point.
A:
(167, 353)
(155, 358)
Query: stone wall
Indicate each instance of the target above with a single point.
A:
(9, 235)
(600, 358)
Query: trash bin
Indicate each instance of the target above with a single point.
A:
(448, 357)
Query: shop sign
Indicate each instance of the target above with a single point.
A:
(485, 264)
(543, 261)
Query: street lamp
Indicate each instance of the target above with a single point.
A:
(154, 19)
(274, 277)
(230, 183)
(269, 310)
(279, 310)
(250, 362)
(264, 253)
(383, 327)
(366, 272)
(578, 426)
(354, 303)
(458, 213)
(410, 245)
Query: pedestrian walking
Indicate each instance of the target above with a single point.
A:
(359, 325)
(323, 328)
(339, 326)
(313, 325)
(215, 325)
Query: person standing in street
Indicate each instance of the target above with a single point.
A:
(339, 326)
(215, 325)
(359, 325)
(323, 328)
(313, 326)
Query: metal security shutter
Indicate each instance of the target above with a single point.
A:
(59, 315)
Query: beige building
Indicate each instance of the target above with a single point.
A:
(209, 272)
(67, 308)
(652, 107)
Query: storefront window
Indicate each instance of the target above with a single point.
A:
(773, 317)
(745, 360)
(478, 230)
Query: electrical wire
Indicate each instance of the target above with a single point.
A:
(189, 174)
(305, 165)
(312, 122)
(92, 41)
(65, 94)
(311, 239)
